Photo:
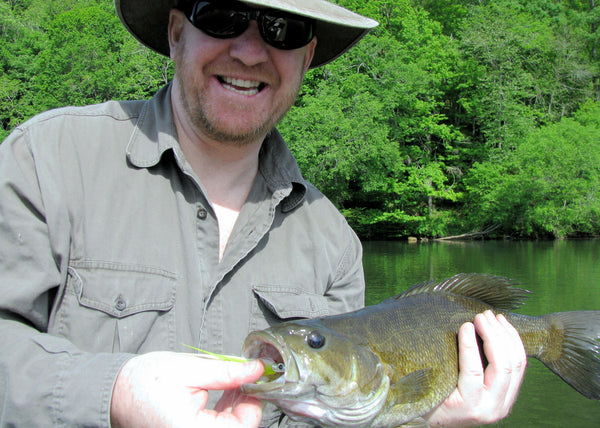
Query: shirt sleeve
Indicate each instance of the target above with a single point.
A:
(44, 379)
(347, 292)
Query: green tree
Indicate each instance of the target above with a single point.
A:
(371, 130)
(80, 65)
(448, 13)
(21, 42)
(90, 58)
(498, 36)
(531, 67)
(339, 140)
(421, 128)
(548, 187)
(68, 52)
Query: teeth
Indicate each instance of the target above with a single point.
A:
(241, 83)
(250, 87)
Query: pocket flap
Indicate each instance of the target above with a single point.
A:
(291, 302)
(121, 291)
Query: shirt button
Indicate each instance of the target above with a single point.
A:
(202, 214)
(120, 304)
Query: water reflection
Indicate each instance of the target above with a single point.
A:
(563, 276)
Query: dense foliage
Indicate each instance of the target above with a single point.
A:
(451, 116)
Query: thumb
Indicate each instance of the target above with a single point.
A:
(231, 375)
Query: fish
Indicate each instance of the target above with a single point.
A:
(389, 364)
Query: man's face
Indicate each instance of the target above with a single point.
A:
(233, 90)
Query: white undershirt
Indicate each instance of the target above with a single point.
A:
(226, 218)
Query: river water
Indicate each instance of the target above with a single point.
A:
(562, 275)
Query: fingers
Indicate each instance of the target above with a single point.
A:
(169, 389)
(246, 409)
(463, 405)
(507, 361)
(229, 375)
(484, 396)
(201, 373)
(471, 373)
(506, 355)
(503, 348)
(234, 408)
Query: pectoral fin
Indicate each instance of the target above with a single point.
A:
(412, 387)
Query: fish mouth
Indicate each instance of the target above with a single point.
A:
(293, 387)
(281, 378)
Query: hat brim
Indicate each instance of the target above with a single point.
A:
(337, 29)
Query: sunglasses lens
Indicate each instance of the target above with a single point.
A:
(230, 19)
(286, 32)
(218, 22)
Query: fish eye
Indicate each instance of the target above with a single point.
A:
(278, 367)
(315, 340)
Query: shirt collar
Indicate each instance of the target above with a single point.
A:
(281, 172)
(155, 133)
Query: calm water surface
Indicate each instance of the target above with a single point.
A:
(563, 276)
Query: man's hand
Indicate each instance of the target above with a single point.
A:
(484, 397)
(169, 389)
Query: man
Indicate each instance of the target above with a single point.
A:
(131, 229)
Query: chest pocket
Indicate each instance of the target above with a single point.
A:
(114, 307)
(274, 304)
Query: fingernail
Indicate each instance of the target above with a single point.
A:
(254, 365)
(469, 328)
(482, 317)
(489, 315)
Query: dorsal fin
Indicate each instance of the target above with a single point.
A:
(494, 290)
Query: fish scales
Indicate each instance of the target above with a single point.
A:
(392, 363)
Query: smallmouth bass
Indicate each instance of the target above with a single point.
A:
(391, 363)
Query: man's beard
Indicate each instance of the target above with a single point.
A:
(197, 106)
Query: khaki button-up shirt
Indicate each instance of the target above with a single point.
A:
(109, 247)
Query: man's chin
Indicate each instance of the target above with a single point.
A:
(238, 134)
(237, 137)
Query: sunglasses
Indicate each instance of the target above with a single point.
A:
(229, 19)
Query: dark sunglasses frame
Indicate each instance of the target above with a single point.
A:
(229, 19)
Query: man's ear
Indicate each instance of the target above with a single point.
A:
(175, 31)
(310, 53)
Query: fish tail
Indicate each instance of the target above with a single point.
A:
(573, 350)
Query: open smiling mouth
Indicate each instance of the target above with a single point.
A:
(240, 86)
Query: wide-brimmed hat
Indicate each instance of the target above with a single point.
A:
(337, 29)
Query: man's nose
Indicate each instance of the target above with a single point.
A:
(249, 47)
